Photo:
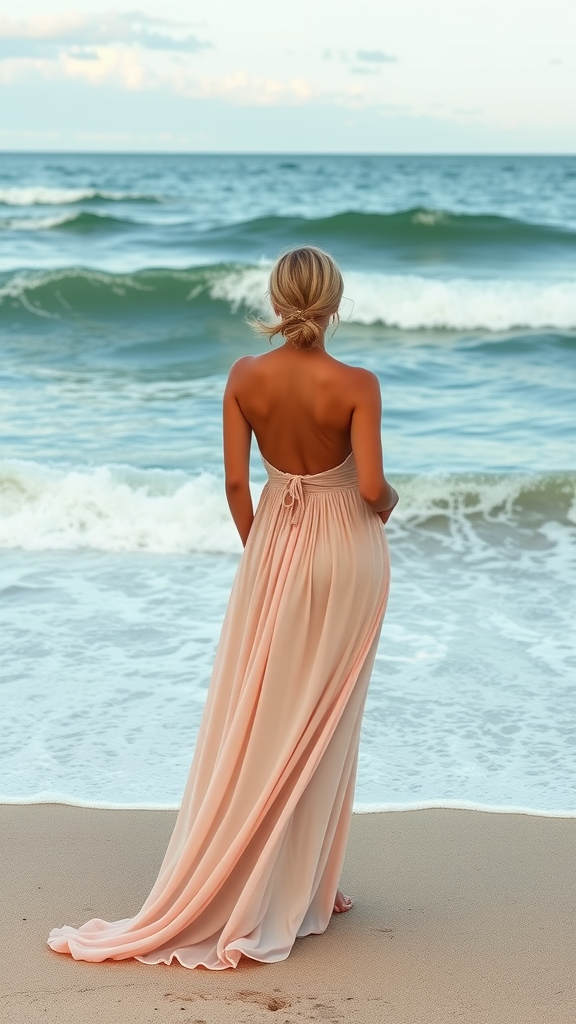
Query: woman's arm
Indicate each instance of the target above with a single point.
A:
(367, 446)
(237, 439)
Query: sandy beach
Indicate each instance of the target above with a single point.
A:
(459, 915)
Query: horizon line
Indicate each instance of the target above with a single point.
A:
(283, 153)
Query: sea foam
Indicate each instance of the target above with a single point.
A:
(122, 508)
(112, 508)
(45, 195)
(56, 797)
(80, 221)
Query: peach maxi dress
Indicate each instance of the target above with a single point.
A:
(257, 849)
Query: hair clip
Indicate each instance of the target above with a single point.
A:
(298, 315)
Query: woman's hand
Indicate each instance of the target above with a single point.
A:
(385, 516)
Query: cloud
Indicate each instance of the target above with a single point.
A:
(47, 37)
(128, 69)
(82, 54)
(136, 52)
(243, 89)
(116, 67)
(376, 57)
(124, 50)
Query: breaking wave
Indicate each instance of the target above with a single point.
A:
(122, 508)
(406, 302)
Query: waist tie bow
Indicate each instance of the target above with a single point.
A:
(293, 498)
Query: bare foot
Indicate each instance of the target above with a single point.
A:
(342, 903)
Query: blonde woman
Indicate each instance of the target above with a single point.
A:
(257, 849)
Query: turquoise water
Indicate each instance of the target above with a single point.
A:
(125, 282)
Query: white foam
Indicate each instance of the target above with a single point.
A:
(56, 797)
(495, 305)
(107, 657)
(112, 508)
(121, 508)
(36, 223)
(410, 302)
(460, 805)
(42, 195)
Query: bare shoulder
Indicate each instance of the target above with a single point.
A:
(361, 383)
(240, 370)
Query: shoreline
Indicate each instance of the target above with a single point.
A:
(458, 913)
(361, 808)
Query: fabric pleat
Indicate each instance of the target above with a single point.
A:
(256, 853)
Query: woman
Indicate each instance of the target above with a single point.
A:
(259, 841)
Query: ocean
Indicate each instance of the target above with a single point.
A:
(125, 284)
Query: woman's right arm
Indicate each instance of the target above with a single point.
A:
(237, 439)
(367, 445)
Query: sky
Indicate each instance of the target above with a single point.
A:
(372, 76)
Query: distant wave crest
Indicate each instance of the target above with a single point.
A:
(79, 222)
(412, 233)
(409, 227)
(44, 195)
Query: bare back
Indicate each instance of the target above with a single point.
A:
(308, 412)
(299, 405)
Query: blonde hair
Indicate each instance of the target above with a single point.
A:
(305, 287)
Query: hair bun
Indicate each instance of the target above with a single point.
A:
(306, 288)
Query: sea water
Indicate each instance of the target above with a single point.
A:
(125, 282)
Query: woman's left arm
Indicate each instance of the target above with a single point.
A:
(237, 439)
